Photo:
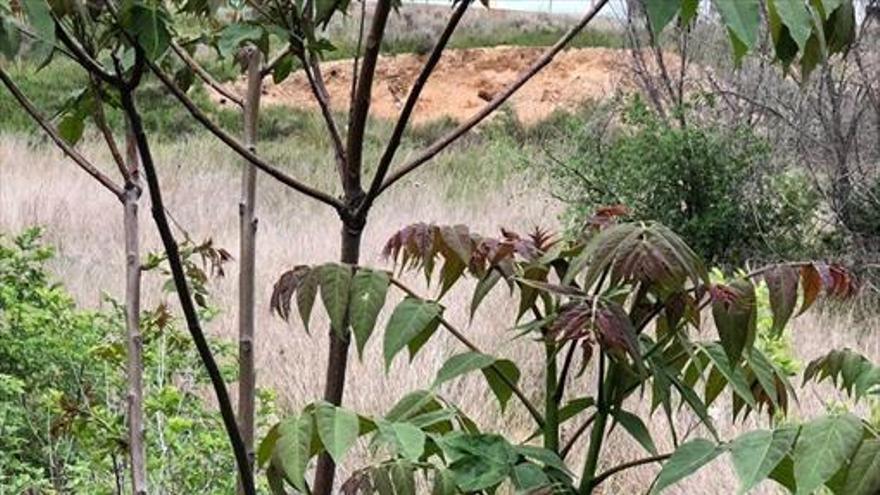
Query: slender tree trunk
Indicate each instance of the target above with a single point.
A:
(337, 361)
(247, 247)
(135, 365)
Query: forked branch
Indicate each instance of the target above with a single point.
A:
(496, 102)
(204, 75)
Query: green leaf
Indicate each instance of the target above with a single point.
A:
(736, 319)
(757, 453)
(462, 363)
(282, 68)
(782, 285)
(742, 18)
(235, 35)
(795, 16)
(502, 391)
(575, 407)
(149, 25)
(264, 451)
(528, 477)
(660, 12)
(293, 449)
(686, 460)
(40, 18)
(544, 456)
(403, 477)
(484, 286)
(368, 291)
(335, 290)
(305, 296)
(71, 128)
(410, 318)
(824, 445)
(324, 10)
(863, 476)
(338, 429)
(408, 440)
(10, 39)
(478, 462)
(636, 428)
(411, 405)
(444, 483)
(732, 373)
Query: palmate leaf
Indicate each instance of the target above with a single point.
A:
(638, 252)
(603, 318)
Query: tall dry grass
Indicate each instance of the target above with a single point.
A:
(201, 182)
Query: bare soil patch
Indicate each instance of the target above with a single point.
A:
(464, 80)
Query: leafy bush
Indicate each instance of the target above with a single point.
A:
(712, 185)
(63, 390)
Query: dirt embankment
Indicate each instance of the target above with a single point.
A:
(464, 80)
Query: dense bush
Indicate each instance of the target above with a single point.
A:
(62, 392)
(713, 185)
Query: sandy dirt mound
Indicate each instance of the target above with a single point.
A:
(464, 80)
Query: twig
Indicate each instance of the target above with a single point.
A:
(204, 75)
(496, 102)
(533, 411)
(628, 465)
(69, 150)
(576, 435)
(101, 122)
(312, 70)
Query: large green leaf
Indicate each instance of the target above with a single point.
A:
(687, 459)
(528, 478)
(863, 476)
(305, 295)
(410, 318)
(461, 364)
(335, 290)
(732, 373)
(660, 12)
(150, 26)
(742, 18)
(757, 453)
(478, 462)
(636, 428)
(796, 17)
(338, 429)
(10, 38)
(368, 291)
(824, 445)
(39, 17)
(293, 449)
(235, 35)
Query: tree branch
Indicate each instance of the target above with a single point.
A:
(273, 62)
(240, 148)
(313, 73)
(69, 150)
(496, 102)
(361, 104)
(628, 465)
(186, 302)
(410, 104)
(204, 75)
(533, 410)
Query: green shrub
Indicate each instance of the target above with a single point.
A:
(63, 389)
(715, 186)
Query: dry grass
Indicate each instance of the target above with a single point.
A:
(38, 187)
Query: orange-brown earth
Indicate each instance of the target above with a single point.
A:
(464, 80)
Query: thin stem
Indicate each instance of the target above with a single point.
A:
(319, 90)
(598, 432)
(533, 410)
(412, 100)
(101, 122)
(576, 435)
(551, 405)
(69, 150)
(185, 297)
(204, 75)
(627, 465)
(496, 102)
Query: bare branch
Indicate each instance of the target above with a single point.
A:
(361, 104)
(204, 75)
(101, 122)
(411, 100)
(240, 148)
(357, 54)
(496, 102)
(83, 58)
(628, 465)
(69, 150)
(316, 82)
